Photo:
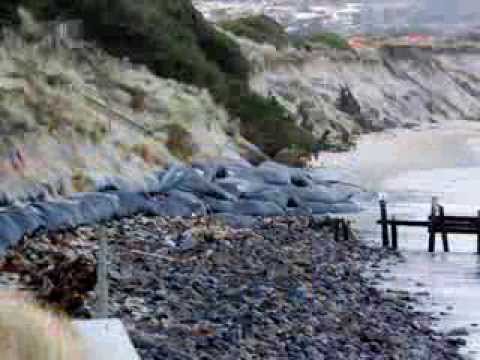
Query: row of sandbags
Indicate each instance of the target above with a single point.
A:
(204, 188)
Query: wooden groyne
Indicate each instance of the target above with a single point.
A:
(436, 223)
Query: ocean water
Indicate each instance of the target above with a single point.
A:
(408, 168)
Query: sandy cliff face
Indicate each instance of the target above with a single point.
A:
(72, 116)
(392, 86)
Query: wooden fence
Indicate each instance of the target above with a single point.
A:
(436, 223)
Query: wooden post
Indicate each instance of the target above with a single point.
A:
(478, 232)
(384, 219)
(102, 287)
(394, 235)
(444, 232)
(346, 232)
(336, 225)
(432, 227)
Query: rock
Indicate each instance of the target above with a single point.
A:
(188, 241)
(299, 295)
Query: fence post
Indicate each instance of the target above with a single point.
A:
(478, 232)
(336, 227)
(102, 287)
(346, 232)
(432, 227)
(384, 220)
(444, 232)
(394, 234)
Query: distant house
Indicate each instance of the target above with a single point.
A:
(415, 38)
(357, 42)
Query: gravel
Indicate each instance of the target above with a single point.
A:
(280, 288)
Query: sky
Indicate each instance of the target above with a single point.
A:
(435, 15)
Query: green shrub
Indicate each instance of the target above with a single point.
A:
(261, 29)
(330, 39)
(267, 124)
(180, 142)
(169, 36)
(8, 12)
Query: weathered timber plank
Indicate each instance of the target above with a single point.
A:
(384, 222)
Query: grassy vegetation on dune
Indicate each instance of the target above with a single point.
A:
(260, 28)
(174, 40)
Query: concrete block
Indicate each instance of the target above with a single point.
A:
(106, 339)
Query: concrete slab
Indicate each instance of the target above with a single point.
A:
(106, 339)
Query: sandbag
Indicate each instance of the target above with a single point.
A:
(273, 195)
(342, 208)
(131, 204)
(196, 184)
(301, 180)
(257, 208)
(173, 176)
(299, 211)
(59, 215)
(11, 232)
(274, 176)
(27, 219)
(237, 187)
(330, 176)
(206, 169)
(216, 206)
(96, 207)
(111, 183)
(181, 204)
(152, 184)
